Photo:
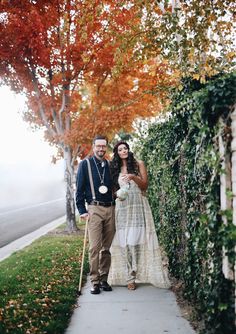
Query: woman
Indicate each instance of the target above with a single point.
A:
(135, 251)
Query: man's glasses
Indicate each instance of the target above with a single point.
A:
(101, 146)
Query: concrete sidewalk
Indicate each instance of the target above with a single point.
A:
(147, 310)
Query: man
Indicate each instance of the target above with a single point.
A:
(96, 190)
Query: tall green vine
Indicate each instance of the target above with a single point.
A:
(184, 167)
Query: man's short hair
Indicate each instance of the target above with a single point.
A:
(99, 137)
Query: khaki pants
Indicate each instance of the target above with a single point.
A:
(101, 230)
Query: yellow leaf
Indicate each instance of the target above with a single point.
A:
(203, 80)
(231, 54)
(196, 76)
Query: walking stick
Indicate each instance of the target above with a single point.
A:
(83, 254)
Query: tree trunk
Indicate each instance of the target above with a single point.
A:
(225, 184)
(183, 222)
(233, 150)
(70, 182)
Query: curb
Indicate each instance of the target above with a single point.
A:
(27, 239)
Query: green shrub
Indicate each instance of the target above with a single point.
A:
(184, 167)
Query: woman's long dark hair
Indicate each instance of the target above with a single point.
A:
(116, 163)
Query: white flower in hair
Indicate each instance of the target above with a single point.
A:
(123, 192)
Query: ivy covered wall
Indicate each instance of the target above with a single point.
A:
(183, 161)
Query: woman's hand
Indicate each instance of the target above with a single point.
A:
(141, 180)
(122, 193)
(127, 177)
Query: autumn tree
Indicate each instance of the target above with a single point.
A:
(74, 61)
(118, 101)
(195, 37)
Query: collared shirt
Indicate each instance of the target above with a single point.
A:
(83, 189)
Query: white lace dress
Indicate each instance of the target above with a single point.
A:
(135, 252)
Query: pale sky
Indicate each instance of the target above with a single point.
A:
(18, 142)
(25, 158)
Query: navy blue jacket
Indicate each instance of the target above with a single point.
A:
(83, 190)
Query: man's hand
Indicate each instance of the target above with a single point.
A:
(84, 216)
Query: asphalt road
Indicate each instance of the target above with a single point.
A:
(15, 222)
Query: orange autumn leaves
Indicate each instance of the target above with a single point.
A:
(119, 100)
(75, 61)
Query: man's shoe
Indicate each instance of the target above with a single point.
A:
(105, 286)
(95, 290)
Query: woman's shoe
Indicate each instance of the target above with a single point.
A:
(131, 286)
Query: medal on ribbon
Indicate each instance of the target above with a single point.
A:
(102, 188)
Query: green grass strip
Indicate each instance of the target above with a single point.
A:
(38, 285)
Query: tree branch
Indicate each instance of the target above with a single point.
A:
(44, 119)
